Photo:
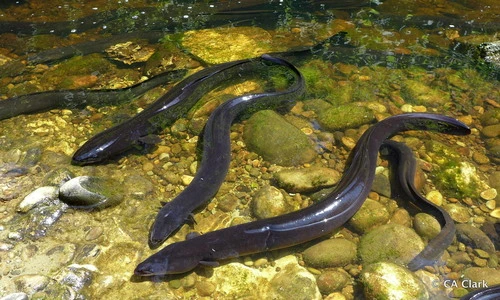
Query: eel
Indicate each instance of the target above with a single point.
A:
(216, 155)
(403, 168)
(303, 225)
(43, 101)
(164, 111)
(489, 293)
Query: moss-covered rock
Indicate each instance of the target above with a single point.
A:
(277, 141)
(345, 116)
(418, 92)
(391, 242)
(390, 281)
(330, 253)
(371, 214)
(455, 177)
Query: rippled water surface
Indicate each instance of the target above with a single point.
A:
(378, 58)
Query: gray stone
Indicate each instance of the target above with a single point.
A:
(474, 237)
(91, 192)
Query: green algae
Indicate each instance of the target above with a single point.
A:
(345, 116)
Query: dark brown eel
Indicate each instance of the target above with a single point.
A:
(306, 224)
(403, 188)
(217, 153)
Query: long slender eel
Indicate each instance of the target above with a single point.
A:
(403, 188)
(489, 293)
(164, 111)
(43, 101)
(303, 225)
(217, 154)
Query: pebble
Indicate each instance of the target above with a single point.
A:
(480, 158)
(205, 288)
(15, 296)
(330, 253)
(435, 197)
(306, 179)
(186, 179)
(94, 233)
(457, 212)
(474, 237)
(426, 226)
(31, 283)
(332, 281)
(495, 213)
(489, 194)
(491, 131)
(39, 195)
(269, 202)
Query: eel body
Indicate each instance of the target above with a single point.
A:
(303, 225)
(164, 111)
(403, 188)
(43, 101)
(489, 293)
(217, 154)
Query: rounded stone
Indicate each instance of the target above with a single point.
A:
(426, 226)
(332, 281)
(391, 242)
(435, 197)
(91, 192)
(389, 281)
(330, 253)
(457, 212)
(489, 194)
(306, 179)
(41, 194)
(277, 141)
(269, 202)
(371, 214)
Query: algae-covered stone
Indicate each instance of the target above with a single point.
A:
(476, 275)
(227, 43)
(91, 192)
(293, 282)
(389, 281)
(426, 225)
(277, 141)
(457, 178)
(417, 92)
(332, 280)
(371, 214)
(306, 179)
(330, 253)
(345, 116)
(391, 242)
